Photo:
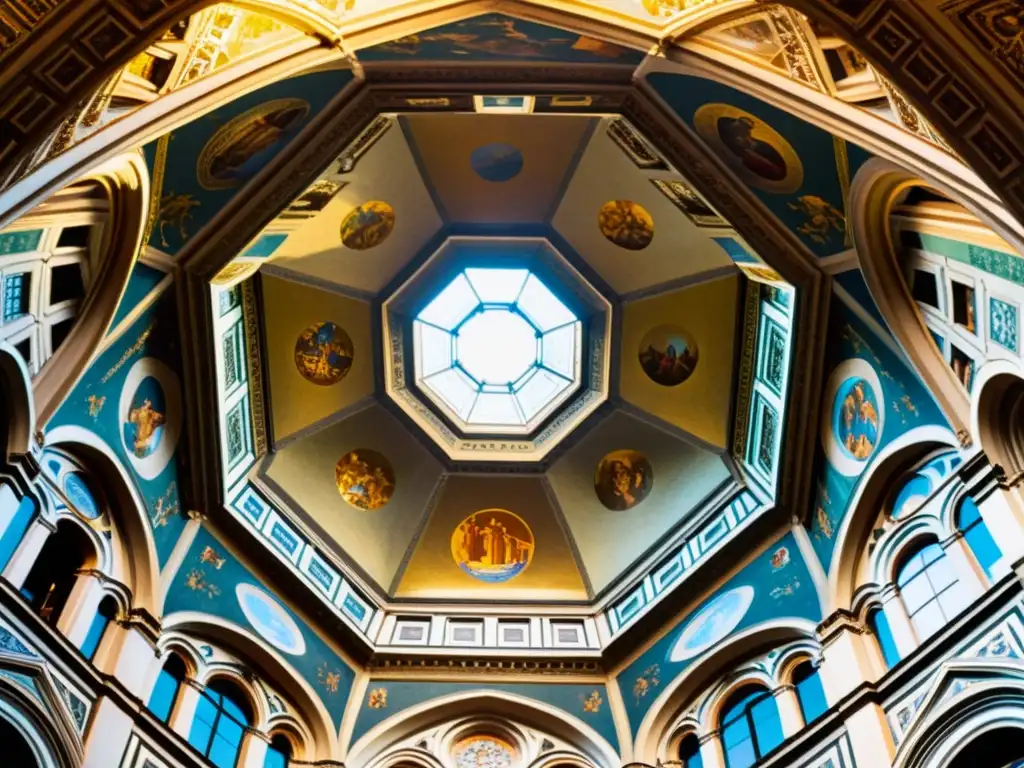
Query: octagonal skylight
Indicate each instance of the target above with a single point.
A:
(497, 351)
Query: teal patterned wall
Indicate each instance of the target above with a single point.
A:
(776, 585)
(586, 702)
(130, 397)
(212, 580)
(872, 396)
(799, 171)
(198, 168)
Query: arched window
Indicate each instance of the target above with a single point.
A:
(977, 535)
(883, 634)
(689, 752)
(930, 590)
(53, 575)
(16, 750)
(222, 716)
(1001, 746)
(809, 691)
(104, 615)
(165, 692)
(279, 753)
(751, 727)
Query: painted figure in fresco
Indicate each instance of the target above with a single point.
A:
(365, 479)
(175, 210)
(146, 421)
(240, 158)
(626, 224)
(858, 419)
(668, 356)
(758, 156)
(323, 353)
(494, 547)
(367, 225)
(821, 218)
(623, 479)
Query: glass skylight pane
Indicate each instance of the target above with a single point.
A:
(538, 392)
(497, 286)
(455, 390)
(540, 305)
(558, 349)
(451, 305)
(499, 410)
(435, 350)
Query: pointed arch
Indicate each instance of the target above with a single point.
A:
(138, 556)
(866, 503)
(48, 730)
(997, 415)
(481, 703)
(270, 664)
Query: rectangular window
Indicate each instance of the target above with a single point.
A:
(16, 295)
(66, 283)
(926, 288)
(59, 332)
(963, 306)
(962, 365)
(164, 693)
(230, 299)
(94, 635)
(24, 348)
(74, 237)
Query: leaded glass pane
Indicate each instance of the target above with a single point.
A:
(434, 349)
(451, 305)
(497, 286)
(542, 307)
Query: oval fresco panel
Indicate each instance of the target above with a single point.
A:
(365, 479)
(270, 620)
(77, 489)
(323, 353)
(368, 225)
(623, 479)
(668, 355)
(493, 545)
(150, 416)
(713, 623)
(627, 224)
(852, 428)
(496, 162)
(243, 146)
(754, 150)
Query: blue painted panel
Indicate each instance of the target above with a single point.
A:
(19, 514)
(143, 280)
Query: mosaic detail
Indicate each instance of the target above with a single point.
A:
(313, 200)
(774, 356)
(365, 479)
(324, 353)
(626, 224)
(493, 545)
(768, 430)
(633, 144)
(754, 150)
(623, 479)
(668, 355)
(242, 147)
(9, 643)
(483, 752)
(79, 709)
(690, 203)
(1004, 265)
(1003, 323)
(367, 225)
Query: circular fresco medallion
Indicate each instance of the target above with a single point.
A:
(496, 162)
(77, 489)
(368, 225)
(623, 479)
(853, 425)
(365, 479)
(493, 545)
(242, 147)
(712, 623)
(483, 752)
(269, 618)
(323, 353)
(626, 224)
(754, 150)
(150, 414)
(668, 355)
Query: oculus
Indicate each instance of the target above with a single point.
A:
(713, 623)
(269, 618)
(496, 162)
(497, 351)
(668, 355)
(242, 147)
(853, 425)
(754, 150)
(150, 414)
(365, 479)
(323, 353)
(493, 545)
(623, 479)
(627, 224)
(367, 225)
(483, 752)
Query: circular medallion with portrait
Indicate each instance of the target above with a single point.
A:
(623, 479)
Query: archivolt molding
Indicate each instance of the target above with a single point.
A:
(996, 415)
(54, 741)
(19, 407)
